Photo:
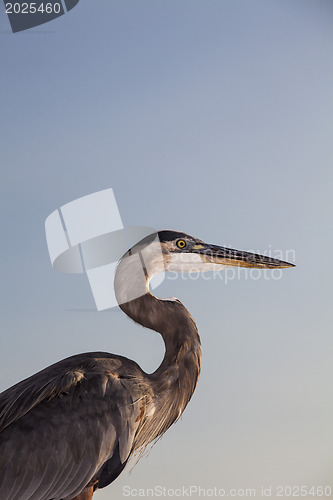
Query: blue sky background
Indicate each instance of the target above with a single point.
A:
(213, 117)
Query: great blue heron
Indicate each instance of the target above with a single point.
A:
(72, 427)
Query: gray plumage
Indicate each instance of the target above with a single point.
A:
(72, 427)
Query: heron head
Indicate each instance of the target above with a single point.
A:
(186, 254)
(178, 252)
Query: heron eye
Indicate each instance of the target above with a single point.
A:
(181, 243)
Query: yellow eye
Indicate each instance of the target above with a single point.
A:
(181, 243)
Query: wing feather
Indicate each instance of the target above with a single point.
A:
(59, 427)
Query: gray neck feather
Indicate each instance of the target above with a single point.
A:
(175, 379)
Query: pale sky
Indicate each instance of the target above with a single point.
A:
(213, 117)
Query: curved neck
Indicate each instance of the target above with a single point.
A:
(179, 371)
(172, 320)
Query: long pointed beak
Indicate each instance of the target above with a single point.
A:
(230, 257)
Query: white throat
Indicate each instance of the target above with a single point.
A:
(136, 269)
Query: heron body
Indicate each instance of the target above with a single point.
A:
(72, 427)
